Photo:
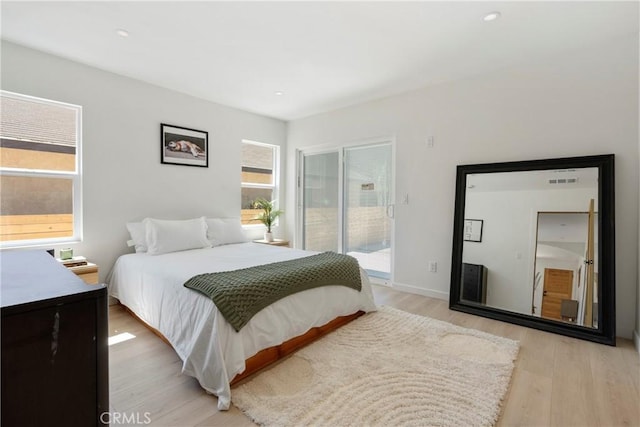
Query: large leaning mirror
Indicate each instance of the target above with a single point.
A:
(534, 244)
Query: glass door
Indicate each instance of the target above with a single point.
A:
(367, 207)
(321, 210)
(346, 204)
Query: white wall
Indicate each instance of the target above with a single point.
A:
(584, 102)
(123, 177)
(636, 335)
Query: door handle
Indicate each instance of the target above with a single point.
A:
(391, 211)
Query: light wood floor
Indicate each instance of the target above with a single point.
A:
(557, 381)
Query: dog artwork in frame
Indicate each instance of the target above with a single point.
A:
(184, 146)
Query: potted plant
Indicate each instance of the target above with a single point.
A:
(268, 216)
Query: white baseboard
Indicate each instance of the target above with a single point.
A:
(378, 281)
(421, 291)
(636, 340)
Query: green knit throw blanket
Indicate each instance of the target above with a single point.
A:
(240, 294)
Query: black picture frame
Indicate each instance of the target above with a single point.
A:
(473, 230)
(183, 146)
(605, 333)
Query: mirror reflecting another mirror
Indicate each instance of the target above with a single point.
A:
(565, 283)
(529, 247)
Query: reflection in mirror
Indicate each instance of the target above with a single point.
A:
(564, 288)
(510, 205)
(527, 239)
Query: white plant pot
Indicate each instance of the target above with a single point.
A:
(268, 237)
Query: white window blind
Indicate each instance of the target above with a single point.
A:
(26, 119)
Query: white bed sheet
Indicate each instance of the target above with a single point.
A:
(211, 350)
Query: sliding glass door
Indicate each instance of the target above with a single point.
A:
(321, 202)
(347, 204)
(367, 207)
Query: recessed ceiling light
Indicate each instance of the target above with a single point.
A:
(122, 33)
(279, 93)
(491, 16)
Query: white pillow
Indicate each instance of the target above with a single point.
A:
(164, 236)
(225, 231)
(137, 231)
(215, 231)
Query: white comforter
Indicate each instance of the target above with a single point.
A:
(212, 351)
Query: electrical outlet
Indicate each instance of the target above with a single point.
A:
(433, 266)
(430, 142)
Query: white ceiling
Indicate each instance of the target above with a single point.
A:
(322, 55)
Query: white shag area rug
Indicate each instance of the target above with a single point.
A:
(386, 368)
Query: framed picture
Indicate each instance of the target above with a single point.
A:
(183, 146)
(473, 230)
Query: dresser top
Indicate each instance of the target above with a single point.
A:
(33, 275)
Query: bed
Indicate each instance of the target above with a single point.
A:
(151, 287)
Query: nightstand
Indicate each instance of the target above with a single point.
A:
(88, 273)
(276, 242)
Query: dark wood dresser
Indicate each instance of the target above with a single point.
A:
(54, 344)
(474, 283)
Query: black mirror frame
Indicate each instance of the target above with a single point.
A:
(605, 333)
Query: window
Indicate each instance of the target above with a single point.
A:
(259, 177)
(40, 181)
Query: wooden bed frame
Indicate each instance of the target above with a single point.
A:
(270, 355)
